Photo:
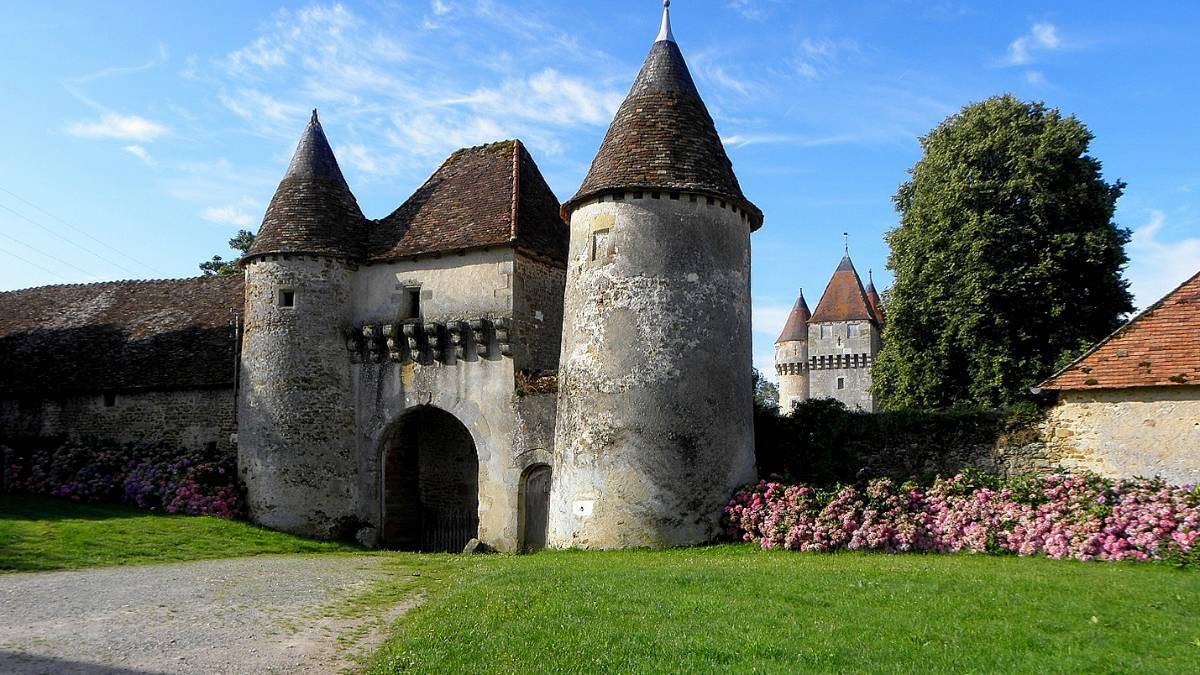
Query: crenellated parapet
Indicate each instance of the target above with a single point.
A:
(426, 342)
(840, 361)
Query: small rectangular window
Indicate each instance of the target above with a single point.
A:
(600, 244)
(412, 303)
(854, 330)
(826, 330)
(287, 298)
(110, 400)
(841, 383)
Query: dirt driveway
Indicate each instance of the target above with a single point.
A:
(288, 614)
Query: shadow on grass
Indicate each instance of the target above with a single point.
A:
(24, 507)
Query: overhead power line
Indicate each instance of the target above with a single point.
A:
(68, 240)
(81, 231)
(49, 255)
(30, 262)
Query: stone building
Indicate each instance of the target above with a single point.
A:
(829, 353)
(1131, 406)
(131, 361)
(384, 362)
(655, 423)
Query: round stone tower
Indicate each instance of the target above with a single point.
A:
(791, 356)
(654, 429)
(296, 413)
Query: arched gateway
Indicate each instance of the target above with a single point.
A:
(430, 483)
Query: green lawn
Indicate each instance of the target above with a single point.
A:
(38, 534)
(736, 608)
(718, 609)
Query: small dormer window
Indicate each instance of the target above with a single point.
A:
(287, 298)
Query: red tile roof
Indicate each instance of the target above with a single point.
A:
(796, 328)
(492, 195)
(1158, 348)
(844, 298)
(119, 336)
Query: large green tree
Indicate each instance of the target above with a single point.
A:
(1007, 260)
(218, 266)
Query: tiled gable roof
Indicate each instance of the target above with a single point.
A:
(844, 298)
(119, 336)
(1158, 348)
(490, 195)
(313, 211)
(796, 328)
(664, 138)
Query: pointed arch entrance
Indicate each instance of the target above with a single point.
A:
(430, 483)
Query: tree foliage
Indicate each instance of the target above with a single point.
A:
(766, 392)
(218, 266)
(1007, 261)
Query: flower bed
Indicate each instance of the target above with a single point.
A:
(1081, 516)
(201, 482)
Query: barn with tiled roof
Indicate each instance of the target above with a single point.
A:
(1130, 406)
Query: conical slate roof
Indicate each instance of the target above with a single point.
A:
(844, 298)
(313, 211)
(664, 138)
(796, 328)
(873, 297)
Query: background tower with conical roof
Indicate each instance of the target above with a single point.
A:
(296, 409)
(654, 427)
(844, 336)
(791, 356)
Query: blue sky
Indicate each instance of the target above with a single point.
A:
(139, 136)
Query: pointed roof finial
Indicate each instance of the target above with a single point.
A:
(846, 238)
(314, 119)
(664, 33)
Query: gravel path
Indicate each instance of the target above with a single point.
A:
(248, 615)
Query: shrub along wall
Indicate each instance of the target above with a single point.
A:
(202, 481)
(821, 442)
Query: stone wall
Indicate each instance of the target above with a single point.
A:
(791, 367)
(537, 313)
(654, 413)
(189, 418)
(1151, 431)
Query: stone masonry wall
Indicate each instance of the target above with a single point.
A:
(1151, 431)
(655, 409)
(537, 313)
(830, 358)
(189, 418)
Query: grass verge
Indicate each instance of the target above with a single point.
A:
(736, 608)
(39, 534)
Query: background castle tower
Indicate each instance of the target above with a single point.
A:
(296, 411)
(654, 427)
(843, 339)
(791, 356)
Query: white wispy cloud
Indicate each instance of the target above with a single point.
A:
(141, 153)
(120, 127)
(440, 7)
(228, 215)
(769, 319)
(1158, 265)
(255, 106)
(1042, 37)
(747, 139)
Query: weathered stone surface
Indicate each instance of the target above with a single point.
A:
(188, 418)
(1142, 431)
(654, 424)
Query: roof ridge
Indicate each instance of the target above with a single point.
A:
(1118, 332)
(114, 282)
(516, 188)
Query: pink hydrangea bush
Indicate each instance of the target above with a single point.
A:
(1066, 515)
(196, 482)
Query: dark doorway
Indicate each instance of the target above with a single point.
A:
(430, 483)
(535, 507)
